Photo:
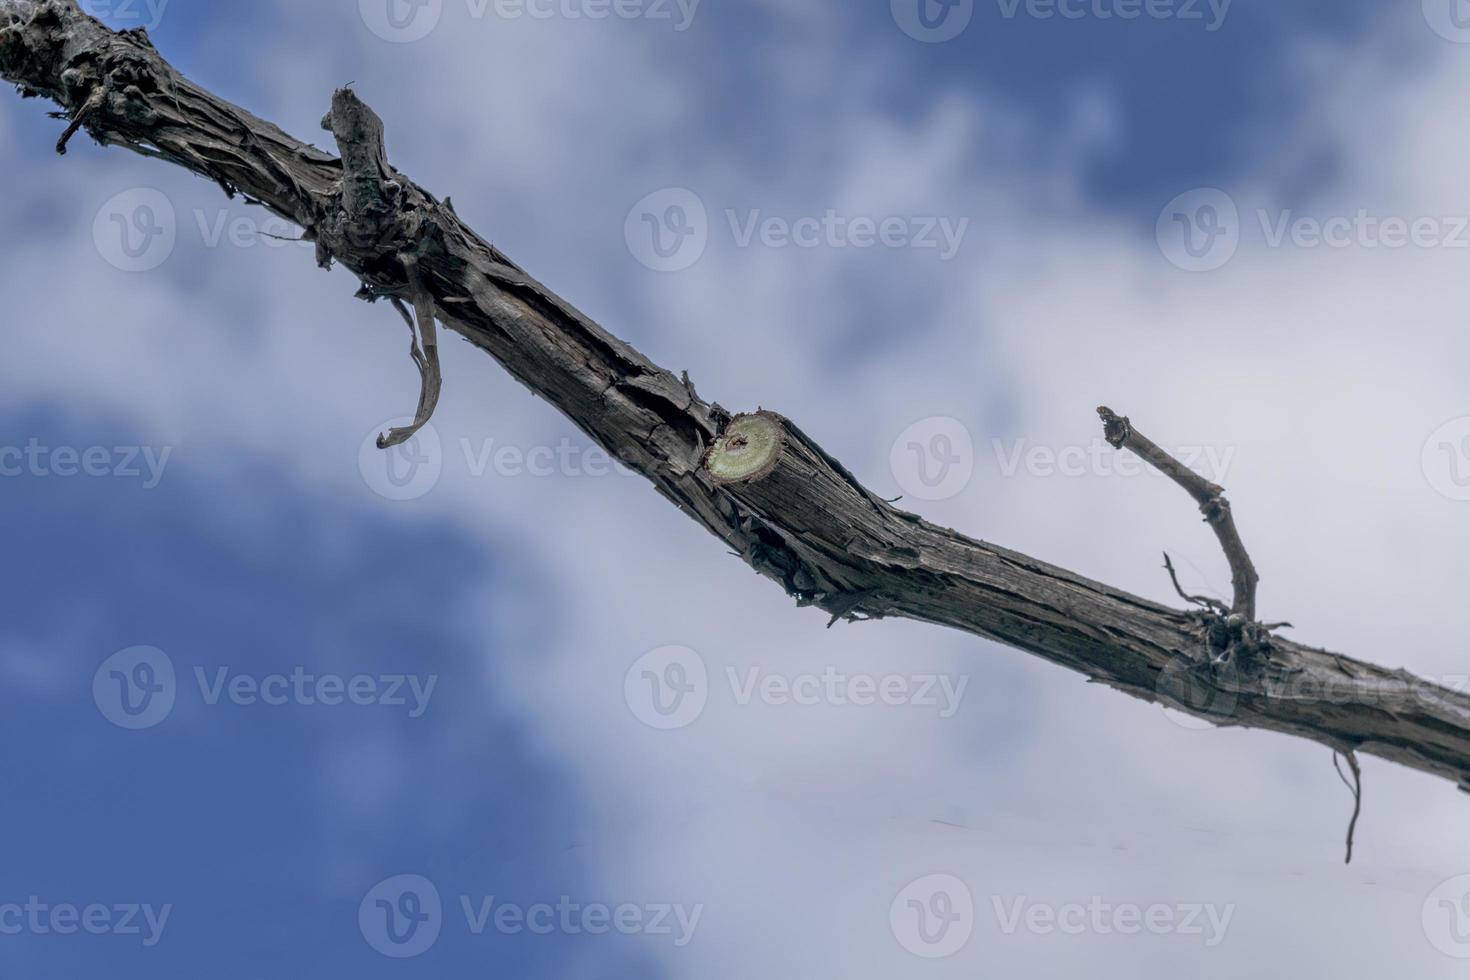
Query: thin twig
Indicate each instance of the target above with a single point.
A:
(93, 103)
(1213, 604)
(1119, 432)
(1356, 786)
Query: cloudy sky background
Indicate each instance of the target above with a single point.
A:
(1318, 374)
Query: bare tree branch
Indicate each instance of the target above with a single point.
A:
(780, 502)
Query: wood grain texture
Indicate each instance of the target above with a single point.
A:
(804, 522)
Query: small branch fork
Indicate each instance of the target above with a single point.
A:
(1243, 633)
(1119, 432)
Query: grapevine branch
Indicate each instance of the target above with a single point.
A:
(758, 482)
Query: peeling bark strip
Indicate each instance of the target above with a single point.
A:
(757, 481)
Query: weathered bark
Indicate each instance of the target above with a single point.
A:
(797, 516)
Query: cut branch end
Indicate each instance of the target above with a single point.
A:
(748, 449)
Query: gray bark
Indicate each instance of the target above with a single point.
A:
(799, 517)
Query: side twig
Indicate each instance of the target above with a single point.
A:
(1120, 433)
(1214, 605)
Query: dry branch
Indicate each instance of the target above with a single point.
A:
(1119, 432)
(757, 482)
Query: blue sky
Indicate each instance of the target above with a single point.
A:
(264, 539)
